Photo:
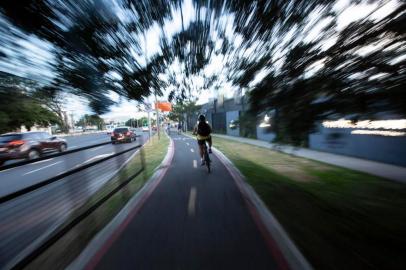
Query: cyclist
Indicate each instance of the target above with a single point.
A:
(203, 131)
(179, 127)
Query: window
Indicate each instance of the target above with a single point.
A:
(10, 137)
(120, 130)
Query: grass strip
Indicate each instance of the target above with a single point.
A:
(339, 218)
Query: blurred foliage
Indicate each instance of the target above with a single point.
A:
(181, 109)
(99, 47)
(91, 120)
(247, 123)
(132, 122)
(52, 98)
(19, 107)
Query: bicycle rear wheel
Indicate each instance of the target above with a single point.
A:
(207, 159)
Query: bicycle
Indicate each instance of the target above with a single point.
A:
(206, 157)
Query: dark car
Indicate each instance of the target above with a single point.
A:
(28, 145)
(123, 134)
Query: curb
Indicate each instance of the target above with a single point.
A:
(271, 229)
(98, 246)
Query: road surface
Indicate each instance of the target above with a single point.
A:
(192, 220)
(27, 218)
(16, 178)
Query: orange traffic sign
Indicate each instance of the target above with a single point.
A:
(164, 106)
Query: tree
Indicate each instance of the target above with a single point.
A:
(335, 73)
(20, 109)
(53, 98)
(91, 120)
(143, 121)
(347, 84)
(181, 109)
(132, 122)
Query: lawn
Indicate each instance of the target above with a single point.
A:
(339, 219)
(69, 246)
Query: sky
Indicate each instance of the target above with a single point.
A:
(31, 57)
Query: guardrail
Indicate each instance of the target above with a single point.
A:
(34, 218)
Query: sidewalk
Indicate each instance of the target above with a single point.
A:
(189, 220)
(392, 172)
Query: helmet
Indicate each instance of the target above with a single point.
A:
(202, 118)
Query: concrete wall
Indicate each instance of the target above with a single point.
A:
(334, 140)
(379, 148)
(263, 135)
(232, 116)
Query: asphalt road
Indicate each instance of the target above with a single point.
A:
(77, 142)
(192, 220)
(19, 177)
(26, 219)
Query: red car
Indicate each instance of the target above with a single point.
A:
(123, 134)
(28, 145)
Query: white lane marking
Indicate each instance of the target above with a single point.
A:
(195, 163)
(52, 164)
(96, 157)
(192, 150)
(41, 161)
(191, 208)
(187, 143)
(94, 149)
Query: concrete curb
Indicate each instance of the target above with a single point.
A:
(261, 213)
(99, 245)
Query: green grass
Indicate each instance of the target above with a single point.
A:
(339, 219)
(68, 247)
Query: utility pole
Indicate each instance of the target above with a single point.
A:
(157, 117)
(149, 123)
(156, 101)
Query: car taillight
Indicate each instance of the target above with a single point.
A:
(114, 134)
(128, 133)
(16, 143)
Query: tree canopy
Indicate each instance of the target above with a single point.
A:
(294, 57)
(91, 120)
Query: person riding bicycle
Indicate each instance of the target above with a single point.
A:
(203, 132)
(179, 127)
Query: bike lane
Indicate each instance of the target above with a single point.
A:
(192, 220)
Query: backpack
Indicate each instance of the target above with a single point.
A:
(203, 129)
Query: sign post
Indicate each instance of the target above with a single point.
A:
(163, 106)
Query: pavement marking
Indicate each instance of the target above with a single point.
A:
(192, 150)
(187, 143)
(52, 164)
(191, 208)
(194, 163)
(97, 157)
(41, 161)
